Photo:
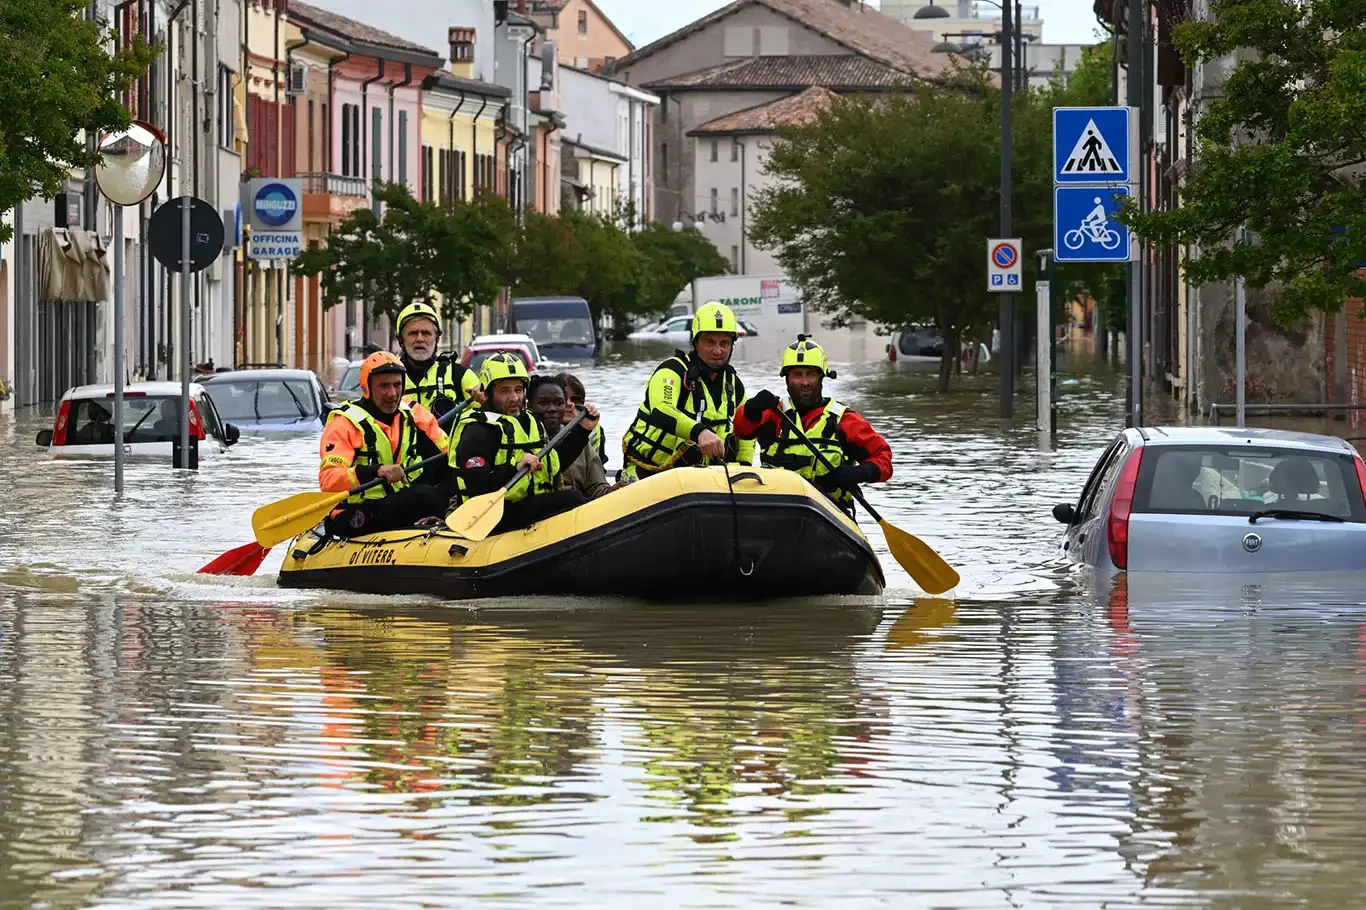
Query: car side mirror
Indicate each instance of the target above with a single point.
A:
(1065, 513)
(44, 438)
(231, 434)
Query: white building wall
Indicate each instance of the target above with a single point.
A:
(736, 176)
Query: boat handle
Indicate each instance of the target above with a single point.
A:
(746, 475)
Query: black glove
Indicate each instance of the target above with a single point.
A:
(760, 402)
(849, 476)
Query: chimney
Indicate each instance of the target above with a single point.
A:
(461, 42)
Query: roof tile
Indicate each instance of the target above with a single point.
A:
(347, 27)
(836, 71)
(794, 110)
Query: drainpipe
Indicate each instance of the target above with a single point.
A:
(407, 80)
(365, 119)
(474, 140)
(332, 107)
(450, 131)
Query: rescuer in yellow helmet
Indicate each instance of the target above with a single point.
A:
(435, 381)
(689, 403)
(491, 443)
(848, 442)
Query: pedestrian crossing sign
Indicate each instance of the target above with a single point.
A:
(1094, 145)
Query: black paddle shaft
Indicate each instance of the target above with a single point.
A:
(444, 419)
(820, 456)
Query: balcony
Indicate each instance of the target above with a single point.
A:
(331, 197)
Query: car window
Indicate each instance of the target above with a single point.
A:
(1219, 480)
(351, 381)
(145, 419)
(213, 426)
(677, 324)
(264, 399)
(1086, 503)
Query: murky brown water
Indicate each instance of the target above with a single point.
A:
(176, 741)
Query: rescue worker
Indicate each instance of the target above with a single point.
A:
(858, 454)
(491, 443)
(377, 436)
(434, 381)
(689, 403)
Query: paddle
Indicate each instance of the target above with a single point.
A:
(927, 567)
(286, 518)
(476, 518)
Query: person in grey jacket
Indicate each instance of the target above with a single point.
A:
(546, 399)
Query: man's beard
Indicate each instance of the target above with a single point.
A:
(413, 355)
(804, 401)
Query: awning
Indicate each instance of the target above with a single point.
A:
(73, 266)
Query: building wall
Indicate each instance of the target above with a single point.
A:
(736, 176)
(590, 108)
(584, 37)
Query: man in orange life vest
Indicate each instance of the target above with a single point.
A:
(377, 436)
(848, 442)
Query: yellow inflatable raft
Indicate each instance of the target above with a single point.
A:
(669, 537)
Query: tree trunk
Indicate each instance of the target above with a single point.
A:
(949, 357)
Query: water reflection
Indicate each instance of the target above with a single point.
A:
(176, 741)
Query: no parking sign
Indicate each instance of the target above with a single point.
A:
(1004, 264)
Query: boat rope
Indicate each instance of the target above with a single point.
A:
(735, 519)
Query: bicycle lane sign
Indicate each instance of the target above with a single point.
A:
(1085, 226)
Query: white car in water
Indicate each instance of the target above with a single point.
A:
(676, 330)
(84, 426)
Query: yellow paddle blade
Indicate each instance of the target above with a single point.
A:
(477, 518)
(925, 566)
(287, 518)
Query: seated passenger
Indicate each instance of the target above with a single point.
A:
(492, 443)
(546, 399)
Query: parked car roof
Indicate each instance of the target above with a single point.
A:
(262, 375)
(1264, 436)
(511, 338)
(144, 388)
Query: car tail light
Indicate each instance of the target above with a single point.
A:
(1121, 507)
(195, 425)
(59, 428)
(1361, 476)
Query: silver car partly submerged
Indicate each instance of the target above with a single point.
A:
(1220, 500)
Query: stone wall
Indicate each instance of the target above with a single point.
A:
(1283, 366)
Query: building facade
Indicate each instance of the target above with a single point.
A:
(582, 35)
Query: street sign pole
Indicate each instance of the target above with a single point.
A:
(1004, 310)
(1043, 372)
(186, 203)
(1135, 81)
(1240, 344)
(118, 349)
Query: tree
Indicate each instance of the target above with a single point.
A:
(622, 275)
(881, 209)
(416, 251)
(1280, 151)
(57, 80)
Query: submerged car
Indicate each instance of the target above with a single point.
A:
(482, 346)
(84, 425)
(270, 401)
(1220, 500)
(676, 330)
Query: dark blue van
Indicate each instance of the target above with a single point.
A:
(562, 327)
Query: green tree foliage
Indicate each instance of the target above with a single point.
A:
(57, 79)
(883, 207)
(1280, 151)
(622, 275)
(454, 255)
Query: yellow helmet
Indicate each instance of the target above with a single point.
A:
(419, 310)
(714, 316)
(502, 365)
(376, 363)
(806, 353)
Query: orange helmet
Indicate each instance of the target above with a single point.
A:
(378, 362)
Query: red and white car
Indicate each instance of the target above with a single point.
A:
(84, 426)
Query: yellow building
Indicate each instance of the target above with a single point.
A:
(460, 156)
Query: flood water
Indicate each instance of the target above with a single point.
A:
(174, 740)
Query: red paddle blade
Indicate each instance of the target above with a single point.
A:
(243, 560)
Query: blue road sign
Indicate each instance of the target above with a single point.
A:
(1092, 145)
(1084, 226)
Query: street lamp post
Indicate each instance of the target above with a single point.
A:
(1005, 301)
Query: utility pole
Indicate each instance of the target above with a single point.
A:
(1005, 305)
(1135, 95)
